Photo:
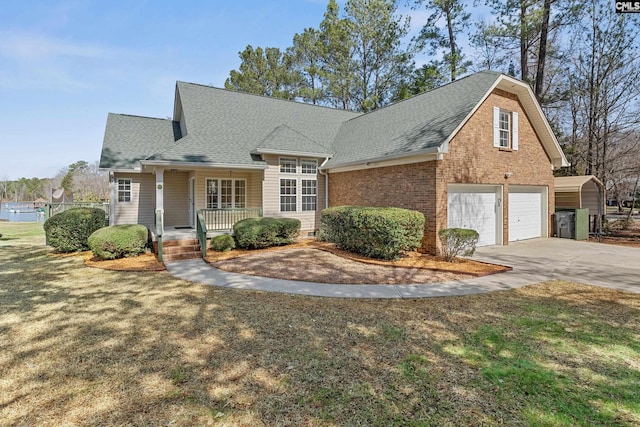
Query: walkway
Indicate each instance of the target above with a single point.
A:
(533, 261)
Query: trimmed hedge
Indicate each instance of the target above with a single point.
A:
(263, 232)
(222, 243)
(382, 233)
(458, 241)
(69, 231)
(119, 241)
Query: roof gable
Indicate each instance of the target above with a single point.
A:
(284, 140)
(128, 139)
(228, 128)
(417, 125)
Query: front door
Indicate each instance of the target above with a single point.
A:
(192, 202)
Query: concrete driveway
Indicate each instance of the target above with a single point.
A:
(582, 262)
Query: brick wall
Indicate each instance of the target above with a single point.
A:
(409, 186)
(471, 159)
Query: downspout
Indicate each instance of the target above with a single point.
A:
(326, 182)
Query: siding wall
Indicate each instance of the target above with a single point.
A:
(252, 178)
(141, 209)
(310, 221)
(472, 159)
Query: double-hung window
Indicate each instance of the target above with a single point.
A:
(288, 195)
(505, 129)
(124, 189)
(226, 193)
(298, 185)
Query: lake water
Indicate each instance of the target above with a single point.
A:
(20, 212)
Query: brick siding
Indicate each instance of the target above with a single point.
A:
(471, 159)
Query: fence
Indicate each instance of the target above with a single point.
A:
(51, 209)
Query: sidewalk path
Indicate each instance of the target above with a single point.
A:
(533, 261)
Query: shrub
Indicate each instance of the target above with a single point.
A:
(458, 241)
(69, 231)
(222, 243)
(119, 241)
(383, 233)
(258, 233)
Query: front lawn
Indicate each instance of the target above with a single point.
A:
(85, 346)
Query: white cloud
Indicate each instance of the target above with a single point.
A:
(32, 47)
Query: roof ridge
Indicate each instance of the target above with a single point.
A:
(141, 117)
(268, 97)
(496, 73)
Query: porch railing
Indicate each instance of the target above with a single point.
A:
(220, 220)
(223, 219)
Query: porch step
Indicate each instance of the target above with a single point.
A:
(175, 250)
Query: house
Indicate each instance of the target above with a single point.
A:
(476, 153)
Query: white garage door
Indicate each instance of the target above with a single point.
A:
(474, 207)
(525, 213)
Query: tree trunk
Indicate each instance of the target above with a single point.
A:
(524, 63)
(542, 49)
(452, 42)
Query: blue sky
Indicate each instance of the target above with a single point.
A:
(65, 64)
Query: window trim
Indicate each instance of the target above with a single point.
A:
(233, 192)
(315, 166)
(314, 195)
(512, 129)
(125, 191)
(294, 194)
(280, 164)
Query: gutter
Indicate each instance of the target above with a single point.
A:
(326, 182)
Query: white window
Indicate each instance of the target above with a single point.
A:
(124, 189)
(309, 166)
(505, 129)
(226, 193)
(309, 195)
(288, 165)
(288, 195)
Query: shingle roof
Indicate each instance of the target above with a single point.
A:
(415, 125)
(128, 139)
(226, 127)
(283, 139)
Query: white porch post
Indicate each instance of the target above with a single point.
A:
(160, 198)
(113, 198)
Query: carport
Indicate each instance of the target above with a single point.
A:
(582, 192)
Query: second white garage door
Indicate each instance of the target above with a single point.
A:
(527, 206)
(475, 207)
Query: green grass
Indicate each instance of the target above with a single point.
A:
(85, 346)
(19, 232)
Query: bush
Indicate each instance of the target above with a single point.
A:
(119, 241)
(259, 233)
(69, 231)
(222, 243)
(383, 233)
(458, 241)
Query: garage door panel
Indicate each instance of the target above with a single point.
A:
(525, 214)
(474, 209)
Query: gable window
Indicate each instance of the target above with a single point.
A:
(309, 195)
(226, 193)
(288, 165)
(124, 189)
(505, 129)
(309, 166)
(288, 195)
